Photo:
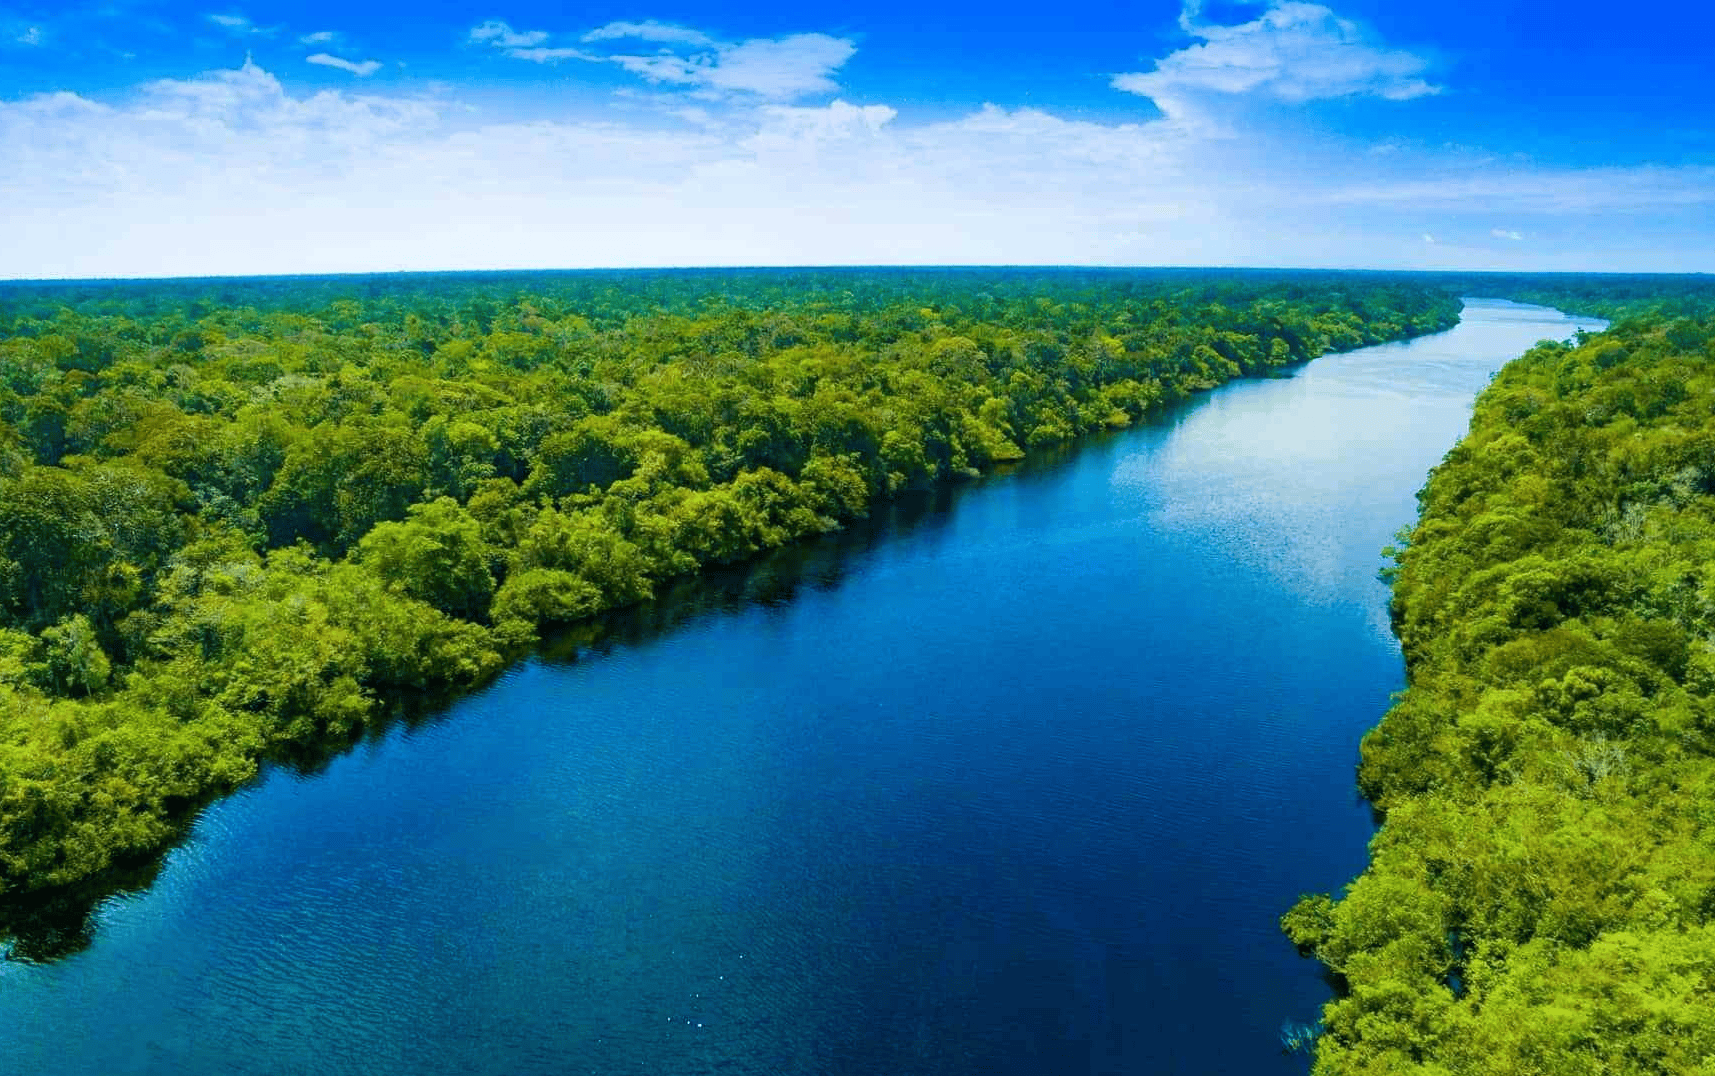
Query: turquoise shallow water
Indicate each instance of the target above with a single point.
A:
(1016, 779)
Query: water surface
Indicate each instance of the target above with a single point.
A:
(1017, 779)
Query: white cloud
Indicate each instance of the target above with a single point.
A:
(320, 37)
(524, 44)
(1427, 238)
(774, 69)
(501, 36)
(550, 55)
(1292, 52)
(239, 24)
(659, 32)
(229, 172)
(779, 69)
(789, 67)
(1506, 233)
(211, 136)
(361, 69)
(837, 120)
(30, 35)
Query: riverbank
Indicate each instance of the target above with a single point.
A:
(1539, 897)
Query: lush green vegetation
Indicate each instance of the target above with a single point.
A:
(239, 517)
(1614, 296)
(1541, 895)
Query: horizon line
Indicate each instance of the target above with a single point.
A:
(836, 267)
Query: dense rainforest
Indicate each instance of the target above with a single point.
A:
(245, 520)
(1541, 893)
(1613, 296)
(242, 519)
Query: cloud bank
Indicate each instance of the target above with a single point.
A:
(232, 171)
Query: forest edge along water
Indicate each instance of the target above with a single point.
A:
(872, 804)
(241, 518)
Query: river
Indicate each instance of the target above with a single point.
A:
(1016, 779)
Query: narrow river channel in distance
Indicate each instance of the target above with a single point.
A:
(1016, 779)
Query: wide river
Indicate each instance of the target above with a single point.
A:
(1015, 779)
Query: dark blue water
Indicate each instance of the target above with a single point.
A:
(1016, 780)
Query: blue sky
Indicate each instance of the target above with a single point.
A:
(145, 139)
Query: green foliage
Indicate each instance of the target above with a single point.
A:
(437, 555)
(73, 663)
(1541, 895)
(242, 518)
